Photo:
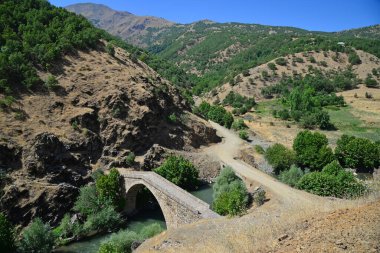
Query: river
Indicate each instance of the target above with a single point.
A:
(138, 221)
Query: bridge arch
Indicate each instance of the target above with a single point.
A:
(178, 206)
(131, 200)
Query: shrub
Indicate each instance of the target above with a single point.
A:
(130, 159)
(280, 157)
(243, 135)
(203, 109)
(151, 230)
(312, 59)
(312, 150)
(179, 171)
(37, 237)
(173, 118)
(259, 197)
(259, 149)
(105, 219)
(7, 240)
(284, 114)
(239, 125)
(357, 153)
(110, 49)
(368, 95)
(120, 242)
(265, 74)
(109, 187)
(354, 59)
(281, 61)
(230, 194)
(51, 82)
(370, 82)
(291, 176)
(88, 201)
(272, 66)
(332, 181)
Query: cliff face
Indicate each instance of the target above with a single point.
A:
(103, 108)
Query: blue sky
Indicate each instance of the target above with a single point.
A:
(321, 15)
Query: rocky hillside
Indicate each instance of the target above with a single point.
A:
(68, 107)
(251, 82)
(102, 108)
(119, 23)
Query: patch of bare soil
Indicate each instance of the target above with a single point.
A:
(346, 230)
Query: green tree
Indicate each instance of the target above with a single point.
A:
(243, 135)
(88, 201)
(358, 153)
(239, 125)
(109, 187)
(37, 237)
(7, 240)
(312, 150)
(280, 157)
(230, 194)
(179, 171)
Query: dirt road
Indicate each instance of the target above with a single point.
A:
(228, 150)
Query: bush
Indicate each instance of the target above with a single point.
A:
(280, 157)
(281, 61)
(272, 66)
(110, 49)
(179, 171)
(173, 118)
(109, 187)
(312, 150)
(7, 240)
(151, 230)
(259, 197)
(354, 59)
(104, 220)
(243, 135)
(357, 153)
(259, 149)
(37, 237)
(291, 176)
(88, 201)
(230, 194)
(332, 181)
(51, 82)
(284, 114)
(120, 242)
(239, 125)
(130, 159)
(370, 82)
(203, 109)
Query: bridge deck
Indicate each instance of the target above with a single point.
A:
(173, 191)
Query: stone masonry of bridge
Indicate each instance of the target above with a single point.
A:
(178, 206)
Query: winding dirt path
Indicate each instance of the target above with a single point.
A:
(229, 149)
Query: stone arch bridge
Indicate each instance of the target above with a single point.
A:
(178, 206)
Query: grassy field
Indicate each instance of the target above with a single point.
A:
(347, 123)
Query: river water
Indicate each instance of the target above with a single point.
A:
(138, 221)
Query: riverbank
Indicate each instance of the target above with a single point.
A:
(136, 224)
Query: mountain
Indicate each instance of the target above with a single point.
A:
(214, 53)
(119, 23)
(70, 107)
